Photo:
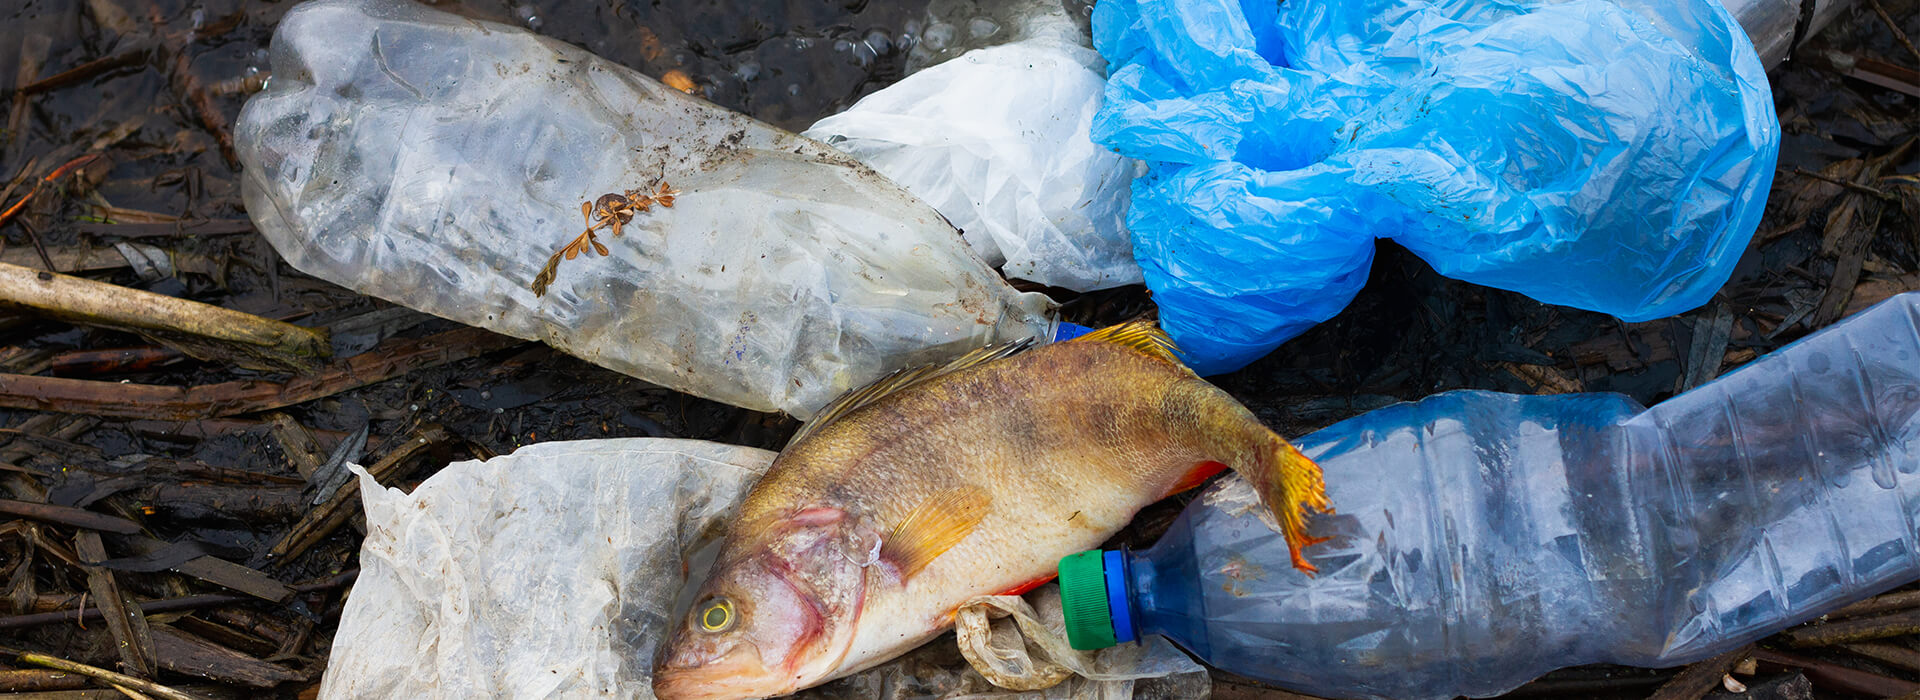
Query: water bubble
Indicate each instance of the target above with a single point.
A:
(981, 27)
(879, 42)
(862, 55)
(199, 18)
(913, 26)
(940, 36)
(747, 71)
(793, 89)
(527, 16)
(842, 46)
(801, 43)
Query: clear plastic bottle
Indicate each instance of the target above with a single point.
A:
(438, 162)
(1484, 539)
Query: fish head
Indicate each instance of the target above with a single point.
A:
(777, 614)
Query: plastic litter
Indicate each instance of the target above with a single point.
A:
(552, 572)
(438, 162)
(998, 141)
(1484, 539)
(1606, 155)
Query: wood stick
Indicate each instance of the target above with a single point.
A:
(184, 653)
(1696, 680)
(329, 516)
(147, 401)
(192, 602)
(107, 676)
(67, 515)
(33, 679)
(1856, 630)
(124, 618)
(186, 325)
(1840, 677)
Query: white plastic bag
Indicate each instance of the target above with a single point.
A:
(554, 572)
(998, 141)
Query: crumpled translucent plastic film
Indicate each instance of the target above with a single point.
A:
(558, 570)
(1611, 156)
(997, 140)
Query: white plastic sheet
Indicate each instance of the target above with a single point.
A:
(998, 141)
(554, 572)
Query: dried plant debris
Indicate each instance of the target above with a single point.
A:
(612, 211)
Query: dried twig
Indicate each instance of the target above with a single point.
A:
(1855, 186)
(184, 653)
(104, 675)
(152, 607)
(201, 330)
(1898, 34)
(67, 515)
(147, 401)
(329, 516)
(124, 619)
(1856, 630)
(1698, 679)
(68, 168)
(1840, 677)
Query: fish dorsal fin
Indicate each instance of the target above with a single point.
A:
(901, 379)
(935, 526)
(1143, 336)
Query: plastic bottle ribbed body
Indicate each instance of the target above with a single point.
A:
(1484, 539)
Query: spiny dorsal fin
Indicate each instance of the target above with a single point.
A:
(935, 526)
(901, 379)
(1144, 336)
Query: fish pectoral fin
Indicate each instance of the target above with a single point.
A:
(933, 527)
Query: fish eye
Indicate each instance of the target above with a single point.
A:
(716, 615)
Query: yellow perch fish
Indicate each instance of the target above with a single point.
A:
(904, 499)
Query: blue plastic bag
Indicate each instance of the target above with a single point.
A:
(1612, 156)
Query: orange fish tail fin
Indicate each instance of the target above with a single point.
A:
(1291, 485)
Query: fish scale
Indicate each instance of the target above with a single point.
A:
(936, 485)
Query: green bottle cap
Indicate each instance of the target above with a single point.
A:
(1083, 594)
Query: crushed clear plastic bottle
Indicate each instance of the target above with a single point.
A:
(1484, 539)
(438, 162)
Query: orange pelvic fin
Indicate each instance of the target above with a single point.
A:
(1022, 589)
(1200, 474)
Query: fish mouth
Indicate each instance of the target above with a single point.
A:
(736, 676)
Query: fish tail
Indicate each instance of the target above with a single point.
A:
(1291, 484)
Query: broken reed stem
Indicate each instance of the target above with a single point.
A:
(151, 607)
(1697, 679)
(106, 676)
(1898, 33)
(151, 402)
(1856, 630)
(272, 344)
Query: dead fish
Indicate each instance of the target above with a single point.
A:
(904, 499)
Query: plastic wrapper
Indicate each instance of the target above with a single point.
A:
(554, 572)
(438, 162)
(998, 141)
(1611, 156)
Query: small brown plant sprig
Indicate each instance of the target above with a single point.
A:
(612, 211)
